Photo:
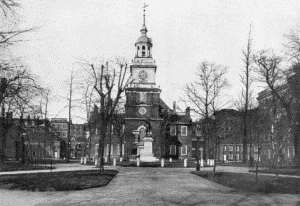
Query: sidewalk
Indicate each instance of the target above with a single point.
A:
(243, 170)
(59, 168)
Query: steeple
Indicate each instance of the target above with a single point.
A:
(143, 44)
(144, 28)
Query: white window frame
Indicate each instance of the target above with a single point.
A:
(198, 132)
(184, 146)
(183, 134)
(143, 97)
(172, 146)
(269, 154)
(107, 149)
(123, 149)
(173, 130)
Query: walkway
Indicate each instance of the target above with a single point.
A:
(150, 186)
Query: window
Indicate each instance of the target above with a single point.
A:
(198, 132)
(183, 150)
(237, 148)
(255, 157)
(230, 148)
(225, 147)
(123, 149)
(138, 48)
(230, 156)
(143, 97)
(269, 154)
(33, 153)
(112, 149)
(255, 148)
(173, 130)
(173, 150)
(237, 156)
(118, 150)
(107, 149)
(65, 125)
(143, 47)
(143, 53)
(96, 149)
(183, 130)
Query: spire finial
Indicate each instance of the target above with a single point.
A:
(144, 7)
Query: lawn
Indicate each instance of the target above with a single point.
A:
(283, 171)
(22, 167)
(246, 182)
(57, 181)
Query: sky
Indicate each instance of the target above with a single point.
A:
(184, 33)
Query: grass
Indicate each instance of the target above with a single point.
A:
(57, 181)
(246, 182)
(22, 167)
(281, 171)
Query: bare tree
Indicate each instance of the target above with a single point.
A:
(205, 95)
(8, 6)
(293, 44)
(110, 81)
(246, 99)
(282, 100)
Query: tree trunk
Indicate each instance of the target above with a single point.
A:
(257, 162)
(197, 155)
(110, 140)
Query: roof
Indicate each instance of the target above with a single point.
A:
(144, 39)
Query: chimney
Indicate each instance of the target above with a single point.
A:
(187, 111)
(174, 106)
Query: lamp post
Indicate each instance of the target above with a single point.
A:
(198, 128)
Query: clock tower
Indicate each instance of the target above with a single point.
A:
(142, 108)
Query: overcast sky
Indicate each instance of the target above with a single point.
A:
(184, 33)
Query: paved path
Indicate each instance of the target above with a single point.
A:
(150, 186)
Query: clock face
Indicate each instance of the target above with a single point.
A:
(143, 75)
(142, 110)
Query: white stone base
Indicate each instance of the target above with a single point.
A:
(146, 152)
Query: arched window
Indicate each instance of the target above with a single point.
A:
(142, 134)
(143, 51)
(138, 48)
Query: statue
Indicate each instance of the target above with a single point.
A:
(148, 127)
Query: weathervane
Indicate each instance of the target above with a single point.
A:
(144, 7)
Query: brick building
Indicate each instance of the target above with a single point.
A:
(78, 140)
(149, 132)
(29, 139)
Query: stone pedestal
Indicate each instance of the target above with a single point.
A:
(145, 150)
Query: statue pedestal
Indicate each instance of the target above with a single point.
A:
(145, 150)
